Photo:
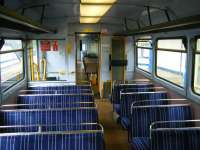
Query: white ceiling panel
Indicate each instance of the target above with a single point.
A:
(62, 10)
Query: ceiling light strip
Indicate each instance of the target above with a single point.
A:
(89, 19)
(94, 10)
(98, 1)
(91, 11)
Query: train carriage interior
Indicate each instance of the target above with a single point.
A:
(99, 75)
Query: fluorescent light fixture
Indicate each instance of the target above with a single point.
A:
(99, 1)
(94, 10)
(89, 19)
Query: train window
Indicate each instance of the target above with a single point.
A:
(171, 44)
(12, 45)
(35, 51)
(11, 63)
(196, 83)
(171, 60)
(144, 55)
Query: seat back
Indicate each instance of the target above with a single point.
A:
(78, 91)
(185, 136)
(65, 138)
(148, 89)
(69, 88)
(143, 116)
(128, 98)
(117, 88)
(54, 98)
(48, 116)
(116, 107)
(48, 106)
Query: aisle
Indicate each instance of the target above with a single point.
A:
(115, 136)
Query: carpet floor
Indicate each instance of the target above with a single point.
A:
(115, 136)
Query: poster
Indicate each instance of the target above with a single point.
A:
(55, 45)
(45, 45)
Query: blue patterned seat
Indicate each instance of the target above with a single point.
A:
(141, 89)
(117, 108)
(143, 116)
(54, 98)
(49, 105)
(48, 116)
(140, 143)
(118, 89)
(128, 98)
(47, 138)
(178, 135)
(78, 91)
(69, 88)
(146, 103)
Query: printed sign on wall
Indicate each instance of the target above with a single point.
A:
(45, 45)
(55, 45)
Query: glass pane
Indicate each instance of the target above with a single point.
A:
(197, 74)
(171, 66)
(198, 45)
(12, 45)
(35, 56)
(172, 44)
(144, 59)
(146, 44)
(11, 69)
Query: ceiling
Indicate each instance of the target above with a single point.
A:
(133, 13)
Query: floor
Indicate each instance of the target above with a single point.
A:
(115, 136)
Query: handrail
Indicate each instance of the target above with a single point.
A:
(13, 20)
(37, 70)
(68, 94)
(31, 63)
(172, 121)
(44, 64)
(185, 23)
(99, 129)
(133, 93)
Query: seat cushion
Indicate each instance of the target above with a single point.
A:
(117, 108)
(140, 143)
(125, 122)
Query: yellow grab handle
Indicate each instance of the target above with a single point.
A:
(44, 64)
(31, 63)
(37, 70)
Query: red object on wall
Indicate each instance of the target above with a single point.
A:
(45, 45)
(55, 45)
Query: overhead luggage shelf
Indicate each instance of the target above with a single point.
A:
(12, 20)
(179, 24)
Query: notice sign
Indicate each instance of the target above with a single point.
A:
(45, 45)
(55, 45)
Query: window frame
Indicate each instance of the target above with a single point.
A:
(194, 53)
(170, 50)
(151, 49)
(23, 66)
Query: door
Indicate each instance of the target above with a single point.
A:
(87, 59)
(118, 63)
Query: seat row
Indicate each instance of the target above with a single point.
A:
(152, 119)
(44, 119)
